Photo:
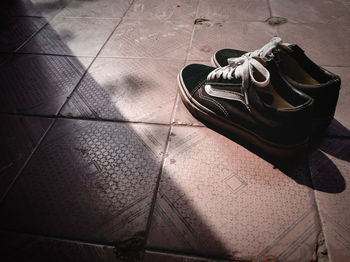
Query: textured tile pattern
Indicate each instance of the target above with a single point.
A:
(88, 180)
(71, 36)
(212, 36)
(19, 136)
(332, 164)
(21, 247)
(218, 198)
(134, 38)
(161, 257)
(37, 84)
(239, 10)
(100, 8)
(127, 89)
(184, 10)
(15, 31)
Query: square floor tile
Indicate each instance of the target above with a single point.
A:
(151, 256)
(149, 38)
(19, 137)
(197, 211)
(89, 181)
(100, 8)
(325, 44)
(142, 90)
(46, 8)
(71, 36)
(184, 10)
(311, 11)
(16, 30)
(22, 247)
(37, 84)
(239, 10)
(330, 166)
(213, 36)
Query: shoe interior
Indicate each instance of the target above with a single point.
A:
(269, 95)
(292, 69)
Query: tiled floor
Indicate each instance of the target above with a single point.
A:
(101, 161)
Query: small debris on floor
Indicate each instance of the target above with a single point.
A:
(178, 5)
(276, 20)
(322, 252)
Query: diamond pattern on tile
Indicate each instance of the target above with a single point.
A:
(71, 36)
(239, 10)
(196, 212)
(88, 181)
(325, 44)
(333, 161)
(46, 8)
(127, 89)
(100, 8)
(37, 84)
(19, 136)
(15, 31)
(22, 247)
(184, 10)
(212, 36)
(312, 11)
(134, 38)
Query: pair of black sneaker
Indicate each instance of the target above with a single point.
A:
(273, 98)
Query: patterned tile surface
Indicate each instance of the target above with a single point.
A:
(21, 247)
(71, 36)
(149, 38)
(44, 8)
(241, 10)
(330, 165)
(212, 36)
(19, 137)
(311, 11)
(100, 8)
(37, 84)
(218, 198)
(88, 181)
(151, 256)
(127, 89)
(15, 31)
(318, 41)
(184, 10)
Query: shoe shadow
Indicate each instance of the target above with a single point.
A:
(312, 167)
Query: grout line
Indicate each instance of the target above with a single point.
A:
(192, 35)
(269, 7)
(94, 59)
(82, 242)
(188, 254)
(27, 161)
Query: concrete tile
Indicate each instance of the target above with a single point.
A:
(184, 10)
(312, 11)
(182, 116)
(19, 137)
(325, 44)
(142, 90)
(44, 8)
(22, 247)
(343, 110)
(37, 84)
(151, 256)
(89, 181)
(217, 198)
(241, 10)
(100, 8)
(331, 164)
(71, 36)
(16, 30)
(168, 39)
(210, 37)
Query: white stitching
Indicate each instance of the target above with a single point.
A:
(213, 101)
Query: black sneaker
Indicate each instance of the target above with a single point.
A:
(251, 101)
(300, 72)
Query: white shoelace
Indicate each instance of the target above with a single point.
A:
(243, 67)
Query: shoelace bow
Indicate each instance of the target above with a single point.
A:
(244, 67)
